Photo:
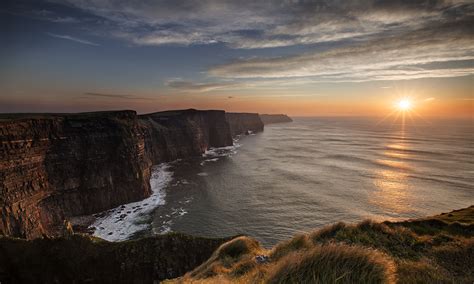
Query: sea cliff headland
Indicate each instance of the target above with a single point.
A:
(57, 166)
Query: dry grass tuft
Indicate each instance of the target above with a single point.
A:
(438, 249)
(238, 253)
(422, 271)
(334, 263)
(299, 242)
(396, 241)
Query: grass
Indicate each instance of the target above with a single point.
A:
(438, 249)
(333, 263)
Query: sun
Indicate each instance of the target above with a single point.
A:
(404, 105)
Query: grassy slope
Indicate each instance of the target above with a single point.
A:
(438, 249)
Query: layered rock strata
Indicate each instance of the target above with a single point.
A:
(240, 123)
(55, 166)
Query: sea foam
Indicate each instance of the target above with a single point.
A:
(124, 221)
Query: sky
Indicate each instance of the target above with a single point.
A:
(302, 58)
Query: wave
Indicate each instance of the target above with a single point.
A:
(222, 151)
(122, 222)
(168, 220)
(209, 160)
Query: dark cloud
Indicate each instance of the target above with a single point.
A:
(116, 96)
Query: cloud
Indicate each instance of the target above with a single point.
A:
(75, 39)
(41, 14)
(262, 24)
(116, 96)
(341, 40)
(188, 86)
(436, 51)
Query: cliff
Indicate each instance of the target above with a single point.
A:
(55, 166)
(178, 134)
(82, 259)
(275, 118)
(240, 123)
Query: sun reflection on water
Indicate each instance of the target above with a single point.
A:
(392, 189)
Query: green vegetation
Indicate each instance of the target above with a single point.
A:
(438, 249)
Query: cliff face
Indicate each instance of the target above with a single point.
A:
(240, 123)
(275, 118)
(81, 259)
(177, 134)
(56, 166)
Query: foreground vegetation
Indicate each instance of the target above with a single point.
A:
(438, 249)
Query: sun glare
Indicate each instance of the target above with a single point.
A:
(404, 105)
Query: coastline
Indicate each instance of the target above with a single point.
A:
(60, 166)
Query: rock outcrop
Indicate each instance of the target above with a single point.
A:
(275, 118)
(177, 134)
(84, 259)
(240, 123)
(54, 166)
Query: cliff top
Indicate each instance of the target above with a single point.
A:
(179, 112)
(22, 116)
(275, 118)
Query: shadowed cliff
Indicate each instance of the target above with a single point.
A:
(84, 259)
(241, 123)
(56, 166)
(275, 118)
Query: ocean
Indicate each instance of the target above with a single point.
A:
(299, 176)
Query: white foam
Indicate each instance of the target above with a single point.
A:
(123, 221)
(209, 160)
(166, 224)
(222, 151)
(203, 174)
